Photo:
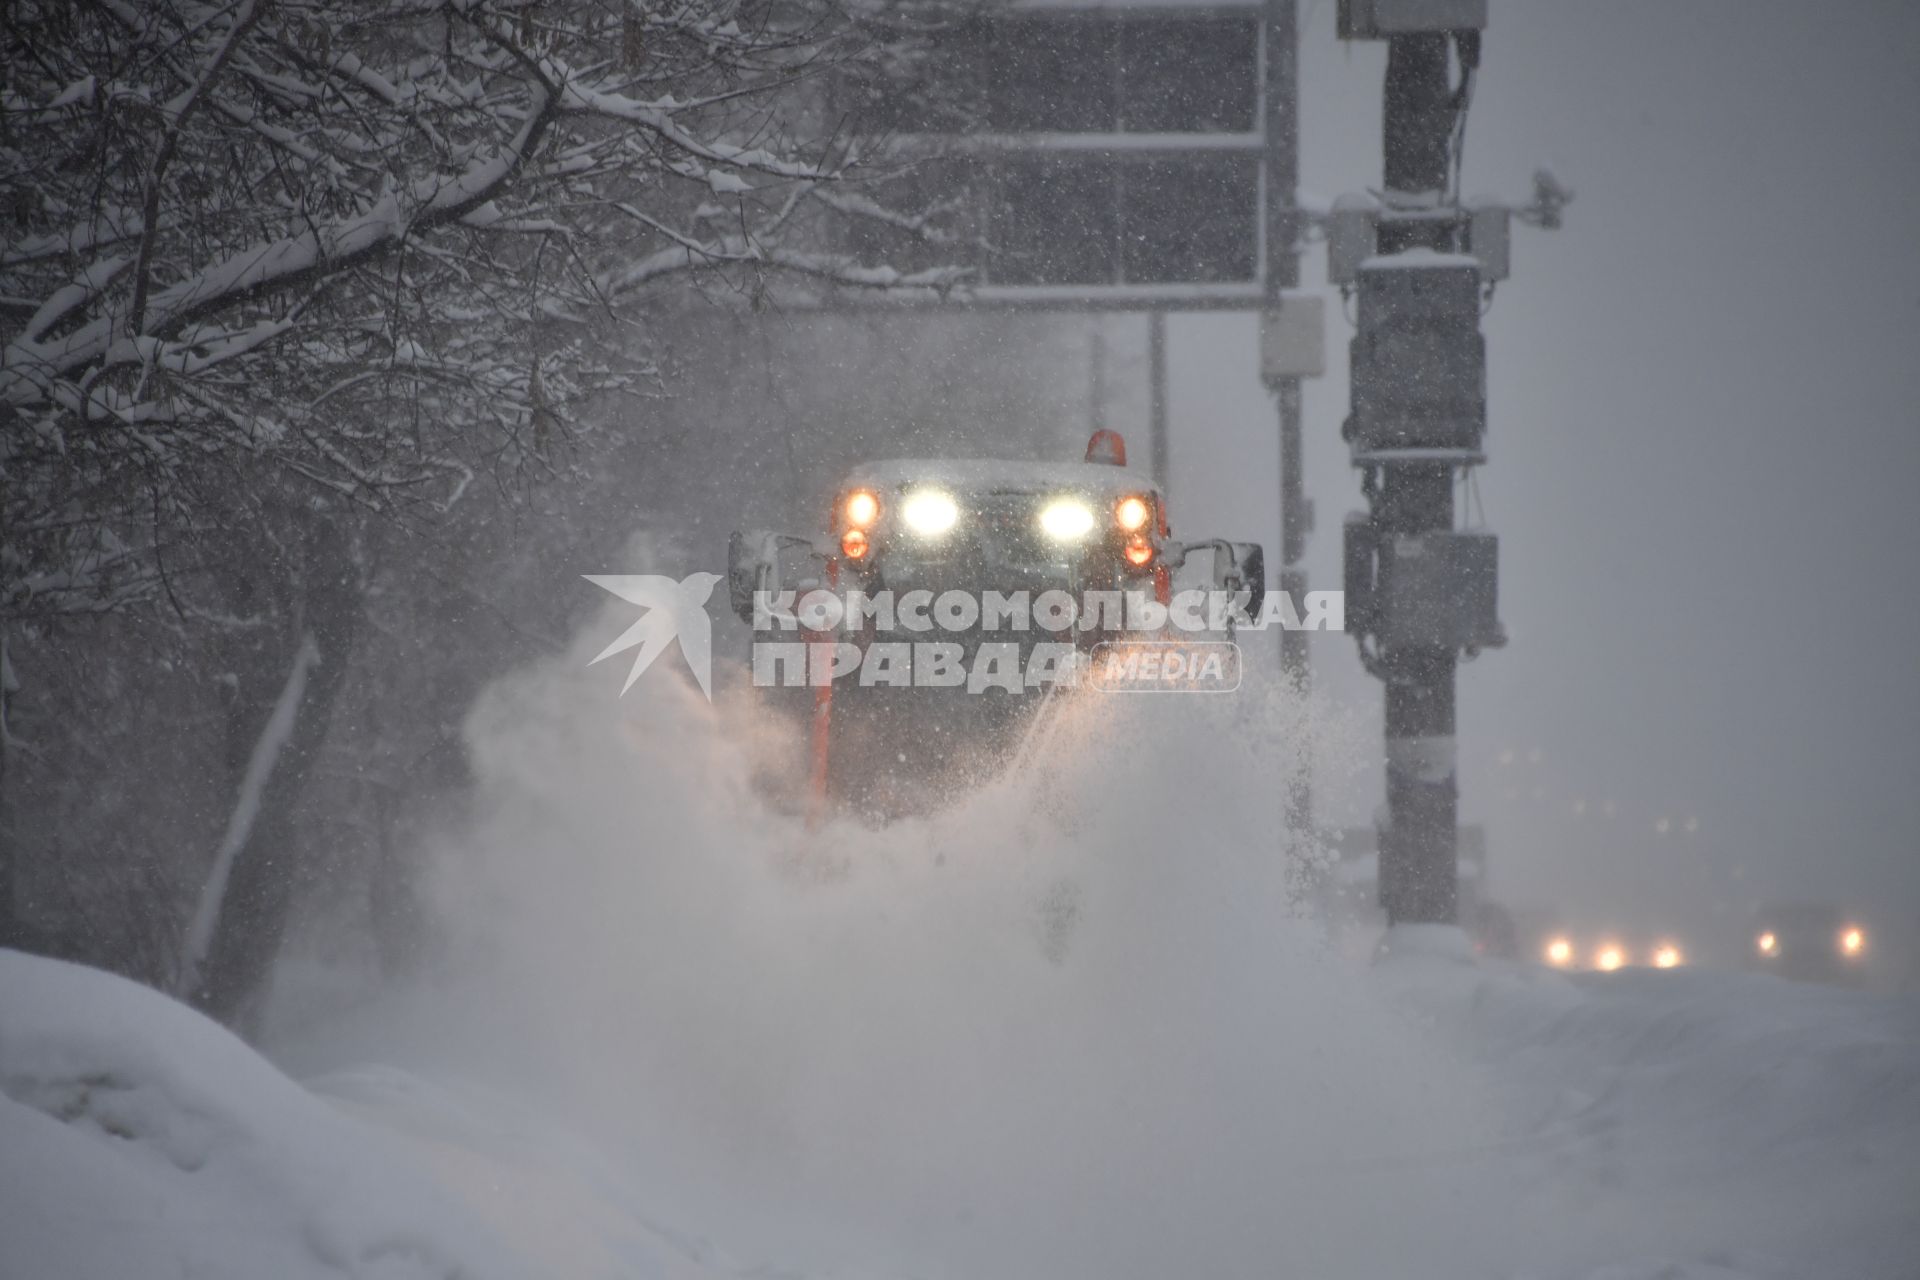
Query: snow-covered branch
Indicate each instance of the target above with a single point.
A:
(373, 248)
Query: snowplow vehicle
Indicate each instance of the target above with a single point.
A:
(950, 603)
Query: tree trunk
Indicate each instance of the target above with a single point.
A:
(268, 748)
(10, 927)
(250, 896)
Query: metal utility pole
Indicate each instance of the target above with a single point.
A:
(1419, 591)
(1291, 339)
(1282, 233)
(1157, 445)
(1097, 379)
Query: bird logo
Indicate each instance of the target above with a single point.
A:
(673, 611)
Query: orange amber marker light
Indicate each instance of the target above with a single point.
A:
(862, 509)
(1132, 513)
(854, 544)
(1139, 551)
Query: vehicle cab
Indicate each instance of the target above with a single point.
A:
(960, 591)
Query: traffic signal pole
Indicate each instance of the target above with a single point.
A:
(1419, 855)
(1420, 591)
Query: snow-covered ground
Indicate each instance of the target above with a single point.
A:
(1069, 1030)
(1652, 1125)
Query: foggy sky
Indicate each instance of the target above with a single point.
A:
(1702, 445)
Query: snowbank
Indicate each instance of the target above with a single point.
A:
(1707, 1123)
(139, 1140)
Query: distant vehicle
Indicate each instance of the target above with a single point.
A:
(1605, 950)
(1810, 942)
(931, 526)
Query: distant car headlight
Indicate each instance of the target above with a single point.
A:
(1066, 520)
(929, 512)
(1767, 944)
(1668, 956)
(1853, 941)
(1609, 957)
(1559, 952)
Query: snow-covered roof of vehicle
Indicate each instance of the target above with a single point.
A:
(999, 475)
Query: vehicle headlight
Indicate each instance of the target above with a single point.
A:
(1560, 952)
(1131, 513)
(1668, 956)
(929, 512)
(1853, 941)
(1066, 520)
(1767, 944)
(863, 508)
(1609, 957)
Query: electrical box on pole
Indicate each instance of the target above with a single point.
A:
(1435, 588)
(1380, 19)
(1419, 364)
(1293, 338)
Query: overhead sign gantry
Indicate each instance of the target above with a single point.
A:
(1109, 156)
